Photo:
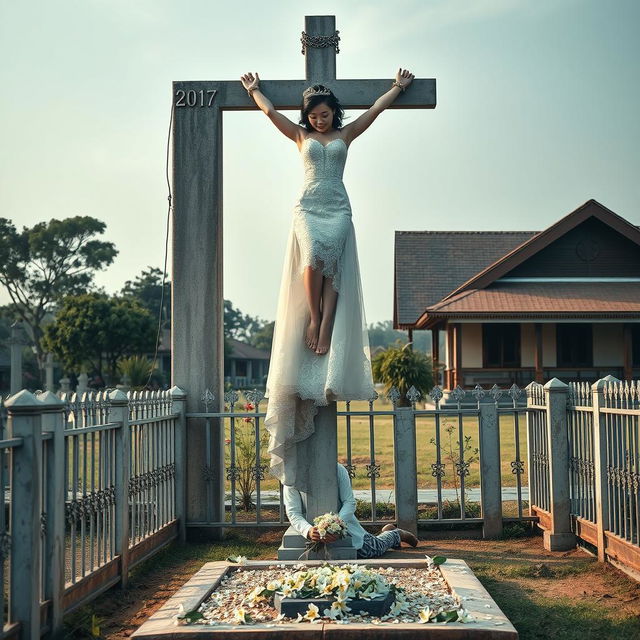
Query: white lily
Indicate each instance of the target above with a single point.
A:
(424, 615)
(286, 591)
(340, 605)
(313, 613)
(331, 613)
(240, 615)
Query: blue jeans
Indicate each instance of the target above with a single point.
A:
(375, 546)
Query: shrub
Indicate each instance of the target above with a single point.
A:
(402, 367)
(383, 509)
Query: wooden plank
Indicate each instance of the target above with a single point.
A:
(544, 518)
(621, 550)
(93, 584)
(586, 530)
(153, 543)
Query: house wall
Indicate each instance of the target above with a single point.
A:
(472, 345)
(527, 344)
(608, 345)
(549, 355)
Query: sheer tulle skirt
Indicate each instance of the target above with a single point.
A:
(300, 380)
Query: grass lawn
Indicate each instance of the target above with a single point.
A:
(425, 431)
(568, 595)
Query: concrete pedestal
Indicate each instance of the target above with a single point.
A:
(321, 453)
(294, 545)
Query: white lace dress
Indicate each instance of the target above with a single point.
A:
(299, 380)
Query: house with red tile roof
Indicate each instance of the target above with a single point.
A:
(519, 306)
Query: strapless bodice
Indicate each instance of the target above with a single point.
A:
(323, 162)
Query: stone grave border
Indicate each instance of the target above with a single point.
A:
(457, 574)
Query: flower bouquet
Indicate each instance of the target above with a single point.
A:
(328, 523)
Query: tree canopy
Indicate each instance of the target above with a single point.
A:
(147, 288)
(97, 330)
(41, 265)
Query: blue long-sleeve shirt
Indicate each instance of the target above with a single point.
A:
(295, 509)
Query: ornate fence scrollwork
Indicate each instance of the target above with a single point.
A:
(438, 470)
(373, 470)
(517, 467)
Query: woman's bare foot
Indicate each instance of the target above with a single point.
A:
(311, 334)
(324, 337)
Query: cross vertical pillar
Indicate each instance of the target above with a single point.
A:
(197, 299)
(322, 446)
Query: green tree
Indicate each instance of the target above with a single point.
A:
(97, 330)
(263, 338)
(147, 288)
(400, 366)
(382, 334)
(238, 325)
(42, 264)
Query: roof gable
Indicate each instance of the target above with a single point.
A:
(430, 264)
(513, 263)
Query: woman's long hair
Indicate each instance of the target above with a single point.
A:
(313, 99)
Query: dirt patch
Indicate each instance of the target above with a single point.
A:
(524, 561)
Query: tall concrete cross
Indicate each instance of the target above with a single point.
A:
(197, 296)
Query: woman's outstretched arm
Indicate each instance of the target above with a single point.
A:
(363, 122)
(252, 84)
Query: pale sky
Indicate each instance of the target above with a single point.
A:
(538, 105)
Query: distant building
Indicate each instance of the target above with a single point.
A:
(517, 306)
(246, 366)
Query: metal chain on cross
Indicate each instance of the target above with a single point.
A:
(320, 42)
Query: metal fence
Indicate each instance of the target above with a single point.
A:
(451, 469)
(95, 484)
(90, 489)
(588, 487)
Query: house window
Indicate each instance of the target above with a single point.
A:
(574, 345)
(635, 345)
(501, 345)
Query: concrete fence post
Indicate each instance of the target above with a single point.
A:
(560, 537)
(25, 422)
(406, 473)
(119, 412)
(179, 406)
(490, 479)
(53, 422)
(531, 479)
(600, 463)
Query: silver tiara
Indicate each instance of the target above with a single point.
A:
(316, 92)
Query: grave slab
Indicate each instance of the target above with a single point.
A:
(461, 580)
